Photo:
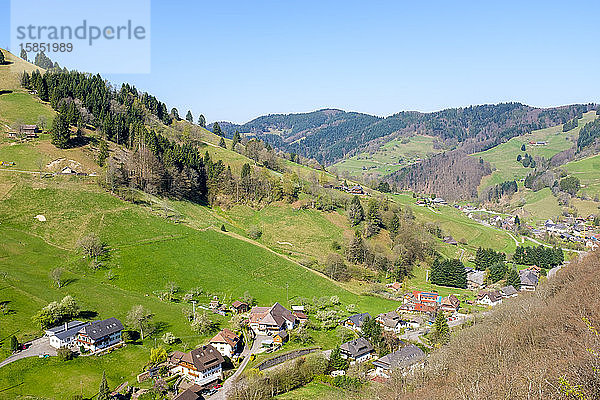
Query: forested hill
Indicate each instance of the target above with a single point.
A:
(329, 135)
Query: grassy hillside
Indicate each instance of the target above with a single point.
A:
(504, 157)
(388, 158)
(16, 105)
(588, 172)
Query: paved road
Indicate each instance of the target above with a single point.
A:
(38, 347)
(228, 385)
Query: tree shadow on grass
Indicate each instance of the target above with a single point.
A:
(87, 314)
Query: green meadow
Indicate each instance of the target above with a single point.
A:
(504, 156)
(588, 172)
(388, 158)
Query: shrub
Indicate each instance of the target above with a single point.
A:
(254, 232)
(65, 354)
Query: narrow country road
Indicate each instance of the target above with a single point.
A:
(228, 384)
(38, 347)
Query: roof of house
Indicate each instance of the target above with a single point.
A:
(275, 315)
(528, 278)
(405, 356)
(100, 329)
(60, 332)
(238, 304)
(476, 277)
(28, 126)
(202, 358)
(188, 394)
(450, 301)
(357, 319)
(300, 315)
(357, 347)
(494, 296)
(389, 319)
(226, 336)
(282, 334)
(508, 290)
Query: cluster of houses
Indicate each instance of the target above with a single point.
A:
(355, 190)
(89, 336)
(429, 302)
(573, 229)
(427, 202)
(476, 280)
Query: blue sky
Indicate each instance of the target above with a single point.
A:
(235, 60)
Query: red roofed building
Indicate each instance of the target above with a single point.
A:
(227, 343)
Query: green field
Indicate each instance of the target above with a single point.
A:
(22, 108)
(388, 158)
(504, 156)
(312, 391)
(588, 172)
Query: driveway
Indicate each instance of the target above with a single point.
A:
(38, 347)
(228, 384)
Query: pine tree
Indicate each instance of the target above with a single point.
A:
(222, 143)
(60, 131)
(217, 129)
(236, 139)
(42, 89)
(189, 117)
(2, 60)
(356, 250)
(441, 330)
(336, 362)
(517, 220)
(394, 226)
(175, 114)
(373, 217)
(513, 279)
(202, 121)
(523, 147)
(23, 54)
(104, 391)
(355, 212)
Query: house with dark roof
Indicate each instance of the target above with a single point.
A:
(64, 335)
(529, 280)
(99, 335)
(227, 343)
(355, 321)
(405, 357)
(357, 350)
(280, 338)
(450, 303)
(270, 320)
(391, 322)
(189, 394)
(508, 291)
(491, 298)
(239, 307)
(202, 365)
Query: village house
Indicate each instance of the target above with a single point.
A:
(475, 279)
(302, 318)
(280, 338)
(271, 320)
(508, 291)
(396, 286)
(450, 240)
(192, 393)
(202, 365)
(529, 280)
(64, 335)
(355, 321)
(489, 298)
(30, 131)
(357, 350)
(239, 307)
(391, 322)
(450, 304)
(99, 335)
(227, 343)
(357, 190)
(404, 357)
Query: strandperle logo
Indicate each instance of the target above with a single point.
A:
(85, 31)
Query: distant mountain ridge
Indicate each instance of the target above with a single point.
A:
(329, 135)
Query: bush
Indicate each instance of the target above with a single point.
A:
(65, 354)
(254, 232)
(130, 336)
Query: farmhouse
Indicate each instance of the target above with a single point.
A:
(29, 130)
(394, 286)
(100, 334)
(489, 298)
(391, 322)
(64, 335)
(201, 366)
(508, 291)
(450, 303)
(270, 320)
(226, 342)
(302, 318)
(358, 350)
(405, 357)
(450, 240)
(529, 280)
(239, 307)
(355, 321)
(189, 394)
(280, 338)
(356, 190)
(475, 279)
